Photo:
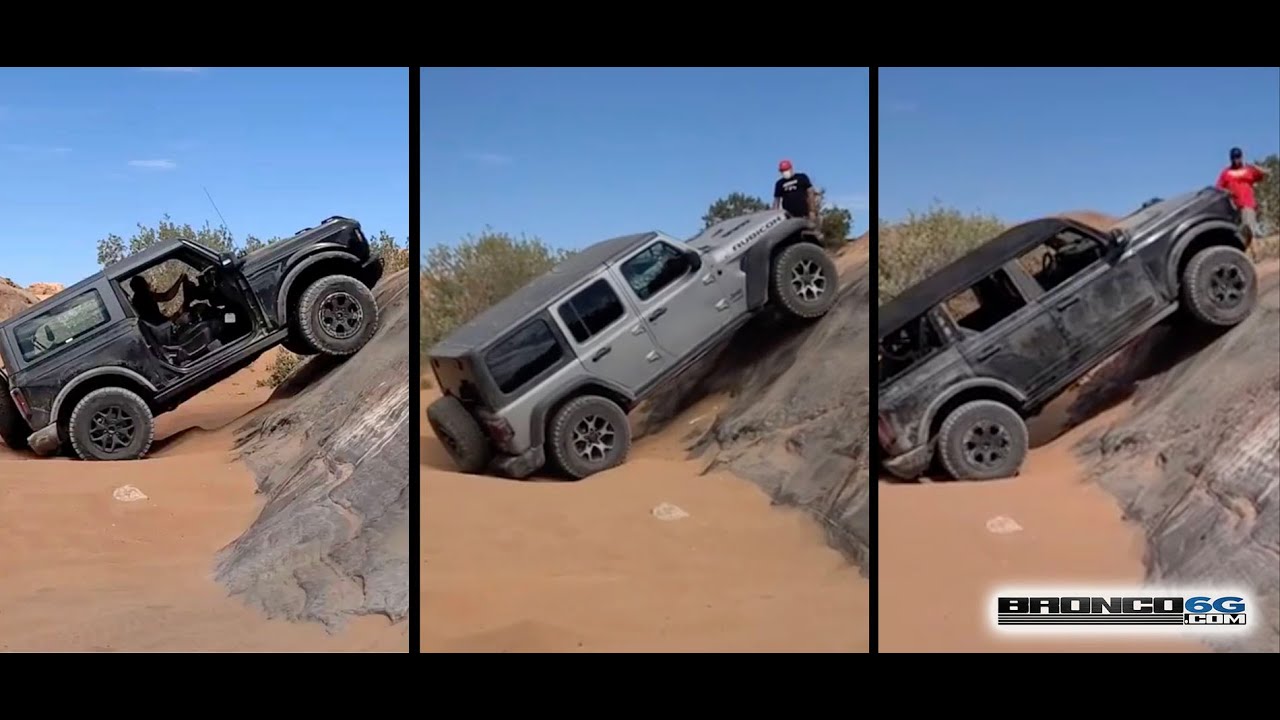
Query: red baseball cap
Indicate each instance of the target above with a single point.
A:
(784, 165)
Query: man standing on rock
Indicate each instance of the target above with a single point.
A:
(794, 193)
(1239, 179)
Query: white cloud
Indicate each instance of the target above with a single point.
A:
(172, 69)
(491, 158)
(153, 164)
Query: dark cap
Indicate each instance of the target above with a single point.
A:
(1236, 153)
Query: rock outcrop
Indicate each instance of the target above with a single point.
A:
(14, 299)
(331, 453)
(797, 421)
(1197, 461)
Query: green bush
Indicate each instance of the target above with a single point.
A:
(280, 369)
(910, 250)
(461, 281)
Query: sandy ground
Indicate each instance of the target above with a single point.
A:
(554, 566)
(84, 572)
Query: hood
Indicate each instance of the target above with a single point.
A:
(730, 238)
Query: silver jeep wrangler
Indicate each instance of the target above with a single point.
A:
(550, 372)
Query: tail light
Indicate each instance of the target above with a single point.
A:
(886, 434)
(500, 431)
(20, 402)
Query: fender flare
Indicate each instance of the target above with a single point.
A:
(755, 261)
(922, 432)
(1186, 234)
(87, 375)
(286, 285)
(538, 416)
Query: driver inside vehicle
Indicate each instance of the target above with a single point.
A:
(147, 301)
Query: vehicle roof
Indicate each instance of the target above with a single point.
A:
(970, 268)
(120, 267)
(536, 295)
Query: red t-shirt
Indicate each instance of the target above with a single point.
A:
(1239, 182)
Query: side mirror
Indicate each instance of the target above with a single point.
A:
(228, 261)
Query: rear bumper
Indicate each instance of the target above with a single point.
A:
(910, 464)
(45, 442)
(520, 466)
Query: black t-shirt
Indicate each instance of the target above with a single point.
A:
(794, 193)
(148, 309)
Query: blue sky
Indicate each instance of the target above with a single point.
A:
(579, 155)
(87, 152)
(1027, 142)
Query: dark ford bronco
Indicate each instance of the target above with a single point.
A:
(550, 372)
(88, 369)
(966, 355)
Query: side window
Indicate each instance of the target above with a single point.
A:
(523, 355)
(654, 268)
(982, 306)
(916, 341)
(62, 325)
(1061, 258)
(593, 309)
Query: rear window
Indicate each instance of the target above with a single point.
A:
(61, 326)
(523, 356)
(592, 310)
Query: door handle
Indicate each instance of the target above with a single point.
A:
(988, 353)
(601, 353)
(637, 329)
(657, 314)
(1068, 303)
(652, 356)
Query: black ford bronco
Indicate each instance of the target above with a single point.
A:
(966, 355)
(88, 369)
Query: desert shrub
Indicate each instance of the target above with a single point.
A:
(1268, 192)
(461, 281)
(280, 368)
(913, 248)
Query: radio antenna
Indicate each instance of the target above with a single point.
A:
(215, 209)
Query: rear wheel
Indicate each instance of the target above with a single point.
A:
(804, 281)
(111, 423)
(460, 434)
(13, 427)
(982, 440)
(587, 435)
(1219, 286)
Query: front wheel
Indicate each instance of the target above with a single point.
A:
(337, 315)
(804, 281)
(982, 440)
(111, 423)
(587, 435)
(1219, 286)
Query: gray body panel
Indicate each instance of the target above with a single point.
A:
(653, 340)
(1037, 351)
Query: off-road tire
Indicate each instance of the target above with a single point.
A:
(804, 281)
(14, 430)
(997, 429)
(336, 315)
(103, 401)
(460, 434)
(1219, 286)
(566, 441)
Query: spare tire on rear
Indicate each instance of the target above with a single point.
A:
(14, 430)
(460, 434)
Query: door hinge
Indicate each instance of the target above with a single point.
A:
(652, 356)
(722, 304)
